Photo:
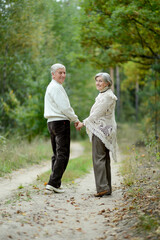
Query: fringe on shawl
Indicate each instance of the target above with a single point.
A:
(112, 146)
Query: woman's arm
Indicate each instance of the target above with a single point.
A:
(100, 108)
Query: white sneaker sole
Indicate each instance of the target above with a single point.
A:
(53, 189)
(48, 192)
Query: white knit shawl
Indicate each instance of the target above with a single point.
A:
(101, 121)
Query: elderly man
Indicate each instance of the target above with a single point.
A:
(58, 111)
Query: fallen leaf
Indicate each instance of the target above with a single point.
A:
(101, 212)
(60, 221)
(127, 236)
(101, 204)
(79, 229)
(24, 213)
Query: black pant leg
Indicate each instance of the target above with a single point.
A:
(53, 143)
(61, 130)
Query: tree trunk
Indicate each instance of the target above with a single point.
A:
(4, 71)
(112, 77)
(137, 99)
(118, 91)
(156, 108)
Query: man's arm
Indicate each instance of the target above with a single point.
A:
(62, 101)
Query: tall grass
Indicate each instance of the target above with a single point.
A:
(140, 169)
(128, 134)
(15, 154)
(139, 152)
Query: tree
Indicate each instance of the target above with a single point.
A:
(121, 31)
(134, 82)
(115, 32)
(25, 49)
(34, 35)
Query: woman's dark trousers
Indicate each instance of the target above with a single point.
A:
(60, 140)
(101, 165)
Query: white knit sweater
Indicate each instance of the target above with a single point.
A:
(101, 121)
(57, 105)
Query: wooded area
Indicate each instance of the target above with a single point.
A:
(120, 37)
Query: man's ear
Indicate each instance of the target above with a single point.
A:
(52, 74)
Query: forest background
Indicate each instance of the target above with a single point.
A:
(119, 37)
(88, 36)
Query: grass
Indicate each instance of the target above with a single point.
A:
(128, 135)
(140, 169)
(20, 186)
(17, 153)
(76, 167)
(139, 152)
(147, 223)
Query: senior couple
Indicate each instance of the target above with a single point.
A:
(100, 126)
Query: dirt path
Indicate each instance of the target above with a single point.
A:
(75, 214)
(26, 176)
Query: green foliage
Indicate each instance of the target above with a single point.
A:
(20, 186)
(148, 223)
(34, 35)
(2, 143)
(128, 106)
(121, 31)
(134, 73)
(124, 33)
(150, 103)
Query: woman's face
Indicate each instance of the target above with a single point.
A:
(100, 84)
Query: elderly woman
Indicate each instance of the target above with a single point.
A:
(101, 128)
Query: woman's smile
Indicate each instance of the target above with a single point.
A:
(100, 84)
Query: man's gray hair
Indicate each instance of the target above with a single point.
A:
(56, 66)
(106, 77)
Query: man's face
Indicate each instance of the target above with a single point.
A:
(59, 75)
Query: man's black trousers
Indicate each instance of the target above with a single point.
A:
(60, 140)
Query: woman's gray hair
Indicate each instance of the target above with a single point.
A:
(106, 77)
(56, 66)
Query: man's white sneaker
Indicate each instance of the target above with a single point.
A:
(57, 190)
(48, 192)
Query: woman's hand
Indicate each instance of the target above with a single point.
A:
(79, 126)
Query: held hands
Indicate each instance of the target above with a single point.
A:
(78, 125)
